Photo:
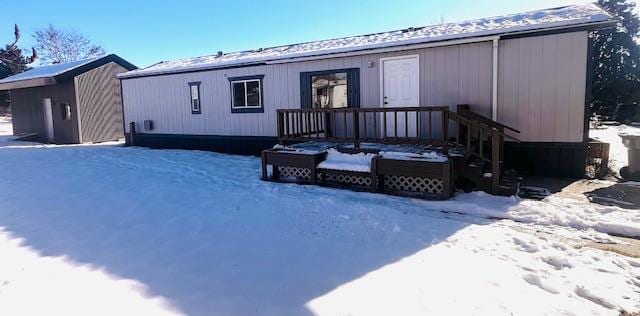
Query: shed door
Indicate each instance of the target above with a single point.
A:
(400, 88)
(48, 119)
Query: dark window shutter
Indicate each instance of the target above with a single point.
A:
(305, 90)
(354, 88)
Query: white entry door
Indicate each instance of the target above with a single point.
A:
(48, 119)
(401, 88)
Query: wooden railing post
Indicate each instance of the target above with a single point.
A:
(445, 131)
(327, 125)
(280, 126)
(495, 161)
(501, 144)
(356, 129)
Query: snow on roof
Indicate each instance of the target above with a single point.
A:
(48, 71)
(521, 22)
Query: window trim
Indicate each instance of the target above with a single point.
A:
(353, 86)
(247, 108)
(191, 85)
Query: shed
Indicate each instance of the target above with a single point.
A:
(69, 103)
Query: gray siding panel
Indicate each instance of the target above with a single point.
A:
(448, 76)
(541, 88)
(100, 103)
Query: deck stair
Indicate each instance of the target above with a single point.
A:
(481, 168)
(475, 174)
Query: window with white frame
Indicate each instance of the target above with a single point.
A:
(194, 91)
(246, 94)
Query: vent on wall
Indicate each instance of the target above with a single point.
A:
(148, 125)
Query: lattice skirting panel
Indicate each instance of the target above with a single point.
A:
(413, 184)
(349, 179)
(294, 173)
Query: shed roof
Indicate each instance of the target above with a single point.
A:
(52, 74)
(533, 21)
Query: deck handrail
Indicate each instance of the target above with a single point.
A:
(465, 110)
(385, 125)
(482, 125)
(485, 127)
(368, 109)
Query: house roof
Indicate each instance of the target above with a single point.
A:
(52, 74)
(534, 21)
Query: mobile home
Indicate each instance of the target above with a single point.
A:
(529, 71)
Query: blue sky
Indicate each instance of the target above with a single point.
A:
(145, 32)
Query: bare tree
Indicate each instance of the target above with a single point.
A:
(56, 45)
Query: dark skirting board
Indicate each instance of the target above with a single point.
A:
(240, 145)
(547, 159)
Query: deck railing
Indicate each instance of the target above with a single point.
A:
(377, 125)
(477, 135)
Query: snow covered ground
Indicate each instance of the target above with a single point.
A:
(5, 127)
(109, 230)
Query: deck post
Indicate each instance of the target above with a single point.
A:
(265, 176)
(280, 115)
(495, 162)
(313, 174)
(446, 180)
(374, 175)
(501, 144)
(327, 125)
(445, 132)
(356, 130)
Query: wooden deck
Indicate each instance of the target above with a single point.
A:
(471, 147)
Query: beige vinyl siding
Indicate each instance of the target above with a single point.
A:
(448, 76)
(541, 88)
(100, 103)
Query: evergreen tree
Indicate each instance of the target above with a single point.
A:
(12, 61)
(616, 59)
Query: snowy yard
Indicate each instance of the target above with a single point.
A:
(618, 152)
(109, 230)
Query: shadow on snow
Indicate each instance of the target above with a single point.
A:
(202, 230)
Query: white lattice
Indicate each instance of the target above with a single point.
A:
(349, 179)
(412, 184)
(299, 174)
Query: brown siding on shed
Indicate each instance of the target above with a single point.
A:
(100, 103)
(28, 117)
